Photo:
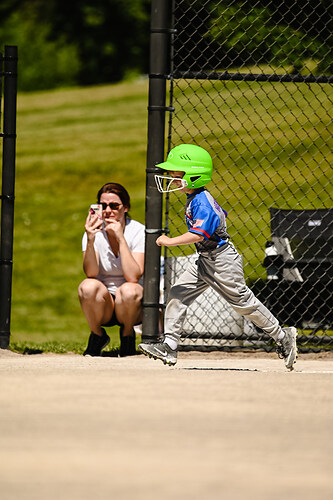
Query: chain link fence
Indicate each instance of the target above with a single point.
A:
(252, 82)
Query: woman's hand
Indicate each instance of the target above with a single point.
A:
(92, 226)
(115, 229)
(90, 256)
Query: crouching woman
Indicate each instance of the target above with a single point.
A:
(113, 261)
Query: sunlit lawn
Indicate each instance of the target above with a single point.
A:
(269, 151)
(70, 142)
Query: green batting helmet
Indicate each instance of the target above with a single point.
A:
(195, 161)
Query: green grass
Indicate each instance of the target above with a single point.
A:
(273, 147)
(69, 143)
(59, 344)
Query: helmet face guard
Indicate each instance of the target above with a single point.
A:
(194, 161)
(171, 183)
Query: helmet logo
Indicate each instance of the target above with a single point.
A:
(184, 157)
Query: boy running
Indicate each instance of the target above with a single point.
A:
(219, 265)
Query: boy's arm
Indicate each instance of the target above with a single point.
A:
(184, 239)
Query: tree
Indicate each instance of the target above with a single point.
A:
(79, 42)
(230, 33)
(253, 36)
(112, 36)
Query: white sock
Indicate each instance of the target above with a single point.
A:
(172, 341)
(281, 335)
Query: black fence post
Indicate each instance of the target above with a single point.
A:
(8, 190)
(159, 64)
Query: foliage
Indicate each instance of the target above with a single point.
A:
(79, 42)
(85, 42)
(249, 34)
(217, 35)
(43, 62)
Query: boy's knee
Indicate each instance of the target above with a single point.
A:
(175, 292)
(180, 293)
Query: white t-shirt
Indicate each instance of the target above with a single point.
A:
(110, 270)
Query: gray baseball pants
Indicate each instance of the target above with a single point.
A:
(222, 269)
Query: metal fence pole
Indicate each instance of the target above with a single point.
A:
(8, 189)
(159, 61)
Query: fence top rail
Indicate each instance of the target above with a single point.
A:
(225, 75)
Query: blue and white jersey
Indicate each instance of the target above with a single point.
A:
(204, 216)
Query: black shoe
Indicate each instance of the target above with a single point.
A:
(127, 344)
(96, 343)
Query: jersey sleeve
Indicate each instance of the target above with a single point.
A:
(205, 221)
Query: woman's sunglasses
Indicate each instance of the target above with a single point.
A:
(113, 206)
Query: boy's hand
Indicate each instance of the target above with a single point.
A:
(163, 240)
(183, 239)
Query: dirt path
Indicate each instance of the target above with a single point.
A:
(216, 426)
